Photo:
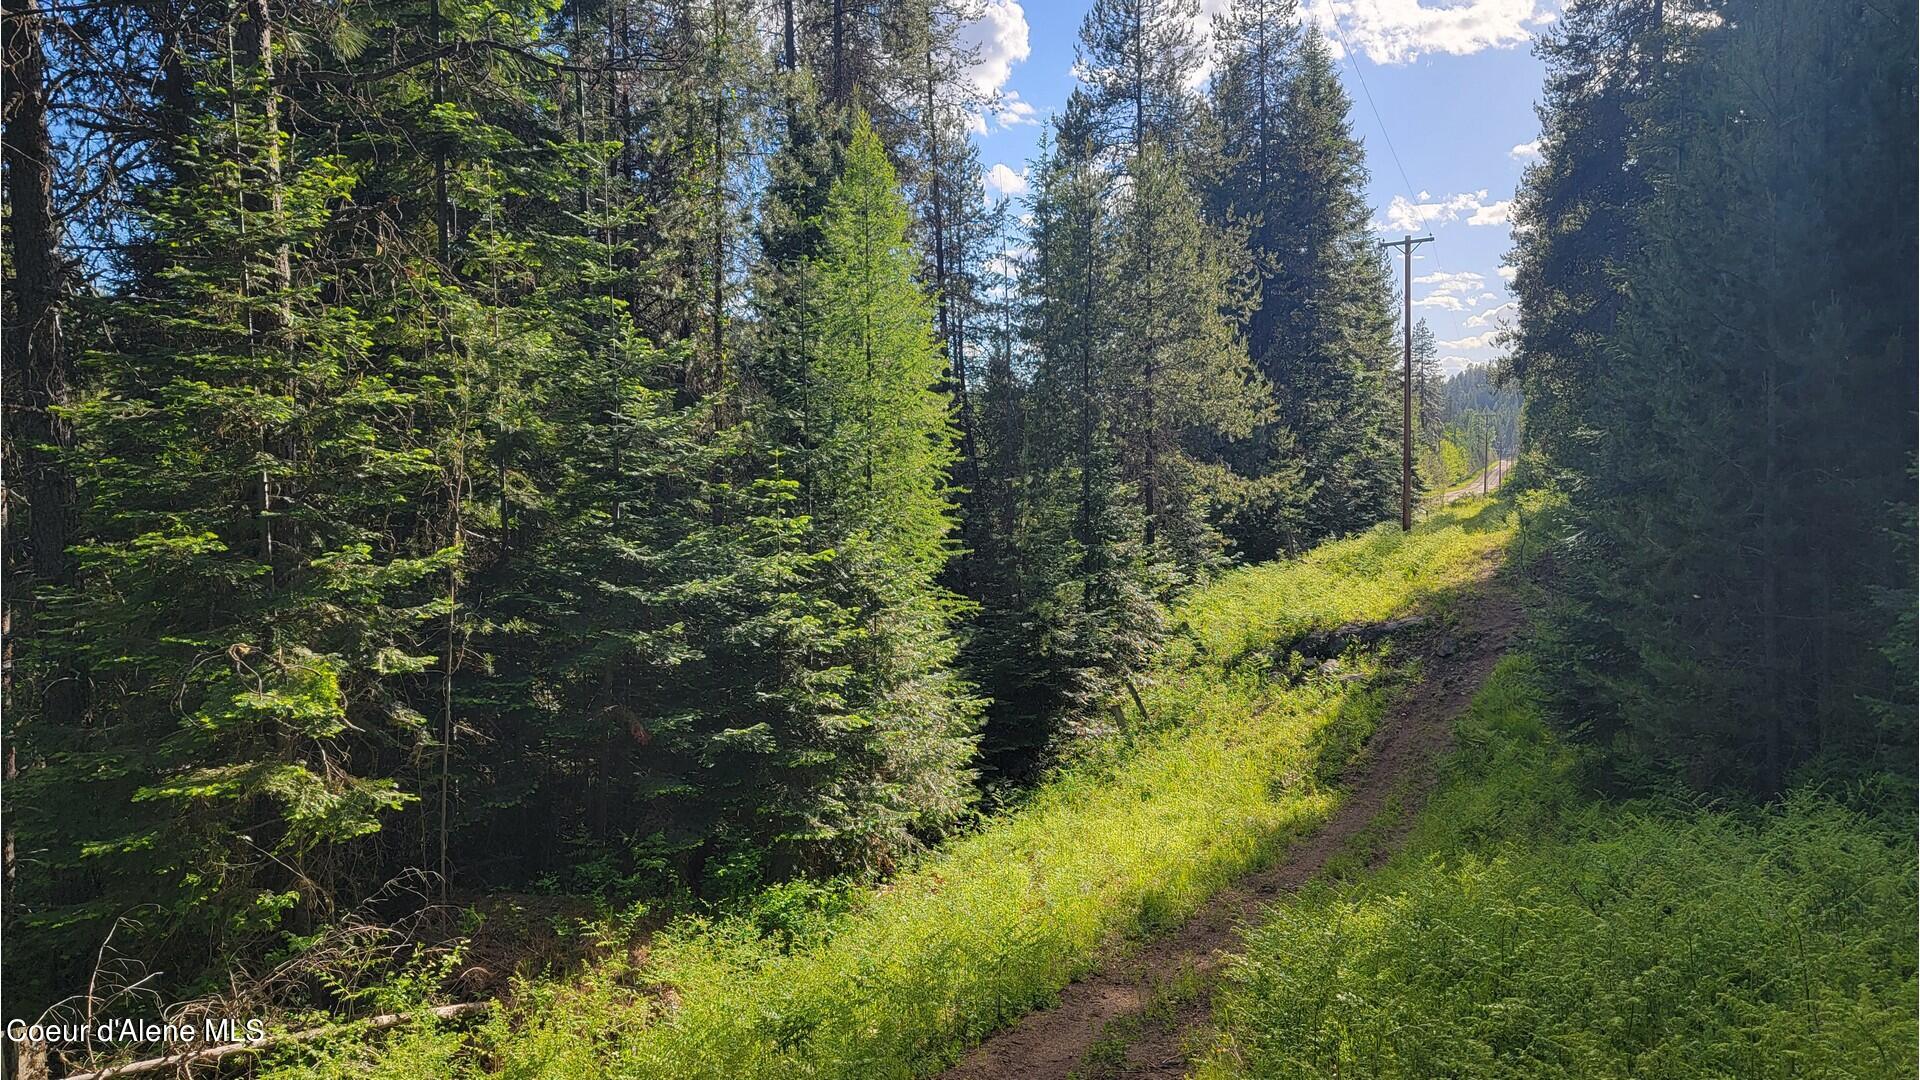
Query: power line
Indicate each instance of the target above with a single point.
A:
(1333, 23)
(1406, 247)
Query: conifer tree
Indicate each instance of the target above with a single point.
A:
(250, 617)
(1295, 177)
(1748, 422)
(1136, 57)
(1089, 583)
(1577, 210)
(1185, 381)
(876, 463)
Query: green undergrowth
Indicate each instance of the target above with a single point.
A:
(1529, 931)
(1248, 611)
(898, 980)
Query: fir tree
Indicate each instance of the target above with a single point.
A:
(1322, 329)
(249, 616)
(1755, 399)
(879, 451)
(1185, 383)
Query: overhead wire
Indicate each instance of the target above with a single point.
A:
(1333, 23)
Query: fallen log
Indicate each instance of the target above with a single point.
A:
(254, 1046)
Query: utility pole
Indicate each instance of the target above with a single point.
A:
(1406, 246)
(1486, 440)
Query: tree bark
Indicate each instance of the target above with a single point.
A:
(37, 381)
(38, 367)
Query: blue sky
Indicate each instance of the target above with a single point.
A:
(1454, 81)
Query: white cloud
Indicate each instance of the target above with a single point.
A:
(1456, 284)
(1011, 110)
(1506, 273)
(1404, 215)
(999, 37)
(1454, 365)
(1487, 317)
(1526, 151)
(1451, 291)
(1477, 341)
(1002, 182)
(1203, 33)
(1400, 31)
(1492, 213)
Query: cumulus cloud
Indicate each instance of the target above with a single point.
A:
(1400, 31)
(999, 40)
(1011, 110)
(1506, 273)
(1488, 317)
(1458, 284)
(1526, 151)
(1477, 341)
(1454, 365)
(1451, 291)
(1002, 182)
(1406, 215)
(1492, 213)
(1203, 32)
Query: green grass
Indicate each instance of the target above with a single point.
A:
(1527, 931)
(1367, 577)
(899, 980)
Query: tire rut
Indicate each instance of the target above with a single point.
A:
(1136, 1012)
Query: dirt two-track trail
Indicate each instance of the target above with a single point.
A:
(1398, 768)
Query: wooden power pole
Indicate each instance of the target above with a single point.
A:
(1406, 246)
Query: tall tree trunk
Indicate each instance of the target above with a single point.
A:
(789, 40)
(841, 87)
(255, 43)
(949, 332)
(38, 379)
(719, 282)
(38, 367)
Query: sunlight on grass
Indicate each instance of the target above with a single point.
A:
(1528, 932)
(897, 981)
(1370, 576)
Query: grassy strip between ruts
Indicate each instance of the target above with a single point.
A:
(899, 980)
(1529, 931)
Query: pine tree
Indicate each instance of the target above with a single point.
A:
(1577, 210)
(1135, 58)
(1185, 381)
(1742, 422)
(1295, 178)
(877, 454)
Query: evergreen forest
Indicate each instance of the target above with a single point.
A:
(565, 538)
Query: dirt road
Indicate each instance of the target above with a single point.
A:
(1501, 470)
(1134, 1015)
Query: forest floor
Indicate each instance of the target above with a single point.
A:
(1141, 1011)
